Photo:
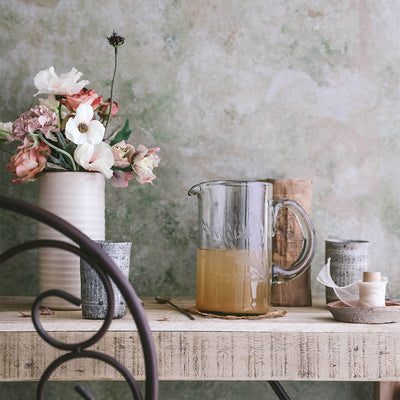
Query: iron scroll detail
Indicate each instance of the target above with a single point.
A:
(105, 267)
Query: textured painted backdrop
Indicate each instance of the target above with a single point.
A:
(302, 89)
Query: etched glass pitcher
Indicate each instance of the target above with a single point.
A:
(237, 221)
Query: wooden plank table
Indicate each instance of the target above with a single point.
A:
(305, 344)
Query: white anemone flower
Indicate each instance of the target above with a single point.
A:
(48, 82)
(83, 129)
(97, 157)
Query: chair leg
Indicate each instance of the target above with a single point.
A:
(278, 389)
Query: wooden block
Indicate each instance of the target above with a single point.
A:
(288, 242)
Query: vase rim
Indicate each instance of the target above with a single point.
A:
(95, 175)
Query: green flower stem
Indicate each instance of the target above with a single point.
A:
(112, 85)
(59, 114)
(60, 151)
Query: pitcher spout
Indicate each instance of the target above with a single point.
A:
(194, 190)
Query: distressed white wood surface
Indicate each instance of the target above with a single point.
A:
(305, 344)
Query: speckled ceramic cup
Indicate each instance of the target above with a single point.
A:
(349, 259)
(93, 294)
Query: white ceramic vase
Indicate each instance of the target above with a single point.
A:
(79, 198)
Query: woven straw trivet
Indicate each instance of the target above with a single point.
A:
(273, 313)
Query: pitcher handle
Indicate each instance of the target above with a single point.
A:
(280, 275)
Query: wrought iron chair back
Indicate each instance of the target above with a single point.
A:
(106, 268)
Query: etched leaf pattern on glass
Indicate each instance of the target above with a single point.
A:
(233, 236)
(250, 255)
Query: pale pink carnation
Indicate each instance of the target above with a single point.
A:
(28, 162)
(38, 118)
(123, 153)
(145, 160)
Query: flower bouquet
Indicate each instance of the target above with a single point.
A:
(67, 131)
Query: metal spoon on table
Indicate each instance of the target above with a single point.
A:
(164, 300)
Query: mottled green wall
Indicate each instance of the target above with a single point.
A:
(227, 89)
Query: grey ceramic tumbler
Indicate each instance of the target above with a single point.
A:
(349, 259)
(93, 294)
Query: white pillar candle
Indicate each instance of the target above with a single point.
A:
(372, 290)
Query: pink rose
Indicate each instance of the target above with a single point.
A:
(39, 118)
(28, 162)
(145, 160)
(123, 154)
(85, 96)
